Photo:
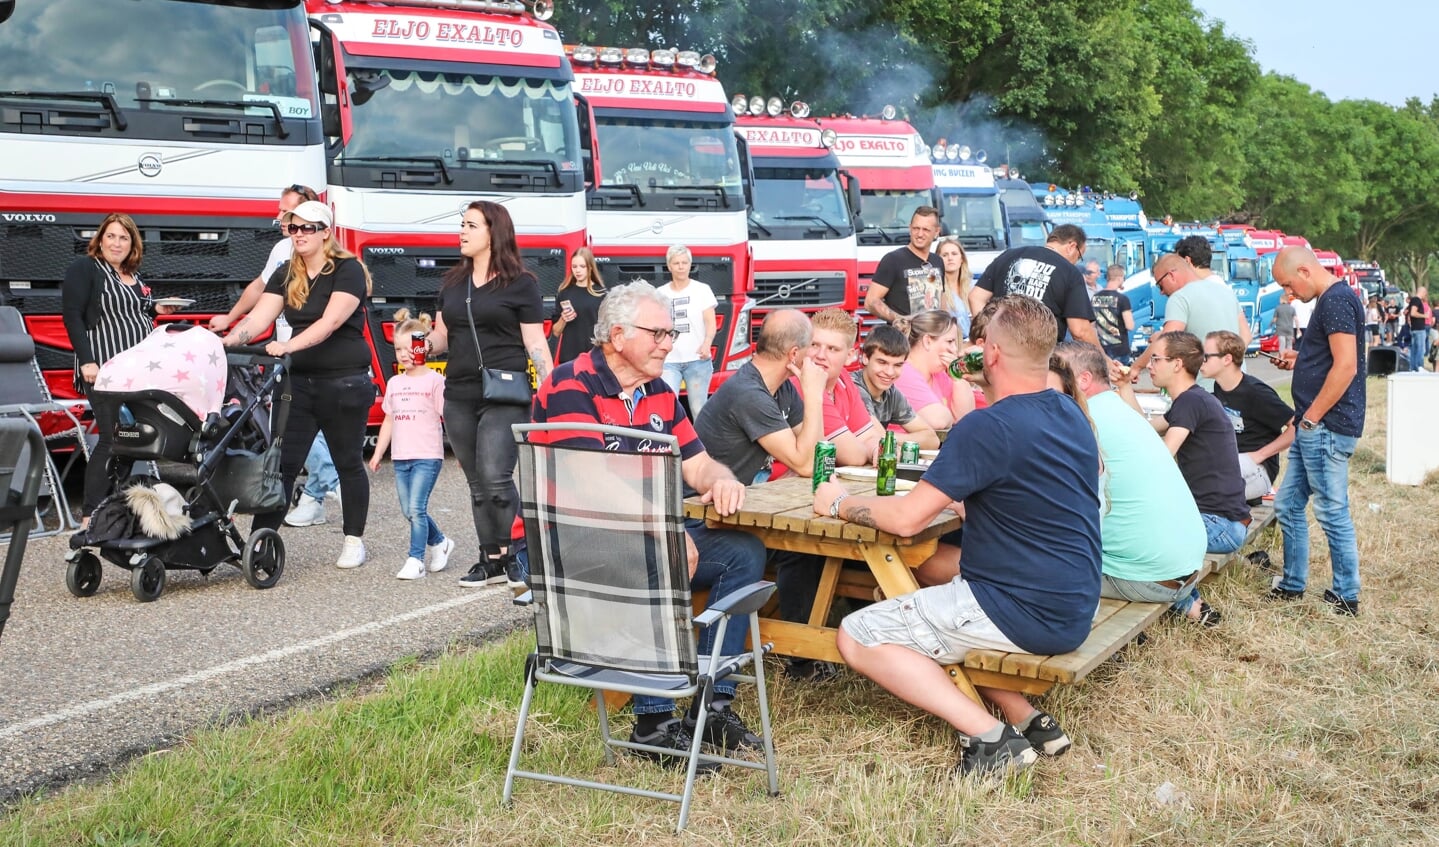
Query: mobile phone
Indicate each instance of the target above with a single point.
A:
(1273, 357)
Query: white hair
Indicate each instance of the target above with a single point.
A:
(622, 305)
(677, 250)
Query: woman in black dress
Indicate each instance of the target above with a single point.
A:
(577, 306)
(107, 309)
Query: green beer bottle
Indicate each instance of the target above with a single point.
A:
(970, 363)
(888, 460)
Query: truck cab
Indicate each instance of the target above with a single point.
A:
(969, 203)
(1029, 225)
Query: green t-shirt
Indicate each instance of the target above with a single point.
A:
(1204, 306)
(1150, 528)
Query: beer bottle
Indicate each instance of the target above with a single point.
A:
(968, 364)
(888, 460)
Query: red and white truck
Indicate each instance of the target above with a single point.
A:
(892, 164)
(802, 221)
(191, 120)
(433, 104)
(669, 169)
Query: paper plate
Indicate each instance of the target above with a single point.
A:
(177, 302)
(929, 454)
(856, 472)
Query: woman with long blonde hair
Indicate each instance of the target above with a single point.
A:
(954, 295)
(322, 292)
(577, 306)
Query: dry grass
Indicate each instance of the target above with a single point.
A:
(1286, 725)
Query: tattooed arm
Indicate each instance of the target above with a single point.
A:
(538, 349)
(255, 323)
(907, 515)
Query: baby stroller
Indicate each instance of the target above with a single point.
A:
(205, 472)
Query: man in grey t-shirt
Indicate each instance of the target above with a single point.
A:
(1284, 318)
(757, 416)
(884, 353)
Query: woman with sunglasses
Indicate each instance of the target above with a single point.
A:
(936, 397)
(322, 293)
(954, 296)
(107, 309)
(490, 318)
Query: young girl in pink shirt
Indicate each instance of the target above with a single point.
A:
(413, 429)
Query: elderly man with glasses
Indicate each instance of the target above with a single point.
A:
(1197, 305)
(619, 382)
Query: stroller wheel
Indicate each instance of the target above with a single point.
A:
(82, 576)
(264, 559)
(148, 580)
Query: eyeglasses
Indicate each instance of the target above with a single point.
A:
(303, 190)
(659, 334)
(1213, 355)
(1163, 277)
(308, 229)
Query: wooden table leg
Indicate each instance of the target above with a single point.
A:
(824, 595)
(895, 580)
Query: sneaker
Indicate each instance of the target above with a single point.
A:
(1340, 605)
(308, 512)
(352, 555)
(333, 494)
(1010, 753)
(413, 569)
(672, 734)
(1045, 736)
(811, 670)
(723, 728)
(482, 573)
(514, 575)
(440, 555)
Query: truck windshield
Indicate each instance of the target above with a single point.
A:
(145, 52)
(653, 155)
(975, 219)
(809, 198)
(891, 209)
(462, 119)
(1027, 234)
(1098, 251)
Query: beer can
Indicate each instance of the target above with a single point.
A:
(909, 452)
(417, 347)
(824, 458)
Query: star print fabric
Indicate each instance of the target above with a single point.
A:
(189, 363)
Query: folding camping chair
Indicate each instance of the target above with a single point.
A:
(24, 393)
(21, 466)
(610, 591)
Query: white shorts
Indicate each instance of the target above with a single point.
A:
(944, 622)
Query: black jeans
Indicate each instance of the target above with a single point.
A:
(481, 438)
(340, 408)
(97, 470)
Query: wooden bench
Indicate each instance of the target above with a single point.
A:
(1116, 623)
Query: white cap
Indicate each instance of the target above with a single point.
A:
(313, 211)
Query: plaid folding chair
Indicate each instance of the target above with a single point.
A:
(22, 454)
(611, 596)
(25, 394)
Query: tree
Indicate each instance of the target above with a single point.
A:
(1401, 176)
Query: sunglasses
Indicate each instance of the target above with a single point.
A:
(659, 334)
(308, 229)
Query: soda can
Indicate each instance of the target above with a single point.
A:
(824, 458)
(417, 347)
(909, 452)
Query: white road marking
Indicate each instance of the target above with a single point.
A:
(82, 709)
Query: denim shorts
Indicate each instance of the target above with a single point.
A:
(944, 622)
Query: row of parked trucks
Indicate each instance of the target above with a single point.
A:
(403, 112)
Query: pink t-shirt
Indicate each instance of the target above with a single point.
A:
(923, 391)
(189, 364)
(416, 399)
(844, 411)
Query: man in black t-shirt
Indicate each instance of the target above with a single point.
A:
(1201, 438)
(1047, 274)
(909, 280)
(1262, 421)
(1114, 316)
(1418, 315)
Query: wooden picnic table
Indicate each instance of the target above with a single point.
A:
(781, 514)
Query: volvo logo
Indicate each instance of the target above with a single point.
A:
(657, 227)
(387, 251)
(150, 164)
(27, 218)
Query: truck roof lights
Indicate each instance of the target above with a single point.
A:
(688, 59)
(544, 9)
(756, 105)
(708, 63)
(889, 112)
(638, 57)
(611, 56)
(828, 137)
(584, 54)
(662, 58)
(774, 107)
(740, 104)
(799, 109)
(981, 157)
(965, 152)
(503, 7)
(938, 150)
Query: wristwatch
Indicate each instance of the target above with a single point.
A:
(834, 507)
(1306, 424)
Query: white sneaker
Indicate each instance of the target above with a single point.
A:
(352, 555)
(333, 495)
(440, 554)
(413, 569)
(308, 512)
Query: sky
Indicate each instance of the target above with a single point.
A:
(1375, 50)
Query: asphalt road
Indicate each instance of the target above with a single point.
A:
(87, 683)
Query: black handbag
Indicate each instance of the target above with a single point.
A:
(252, 481)
(505, 388)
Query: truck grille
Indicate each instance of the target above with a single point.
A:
(417, 273)
(715, 271)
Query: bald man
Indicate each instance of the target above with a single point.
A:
(1328, 390)
(1197, 305)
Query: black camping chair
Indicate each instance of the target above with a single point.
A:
(22, 453)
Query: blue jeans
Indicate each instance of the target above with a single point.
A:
(1418, 348)
(322, 478)
(414, 480)
(729, 559)
(1318, 468)
(1225, 536)
(696, 376)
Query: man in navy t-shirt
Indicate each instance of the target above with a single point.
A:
(1030, 573)
(1329, 403)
